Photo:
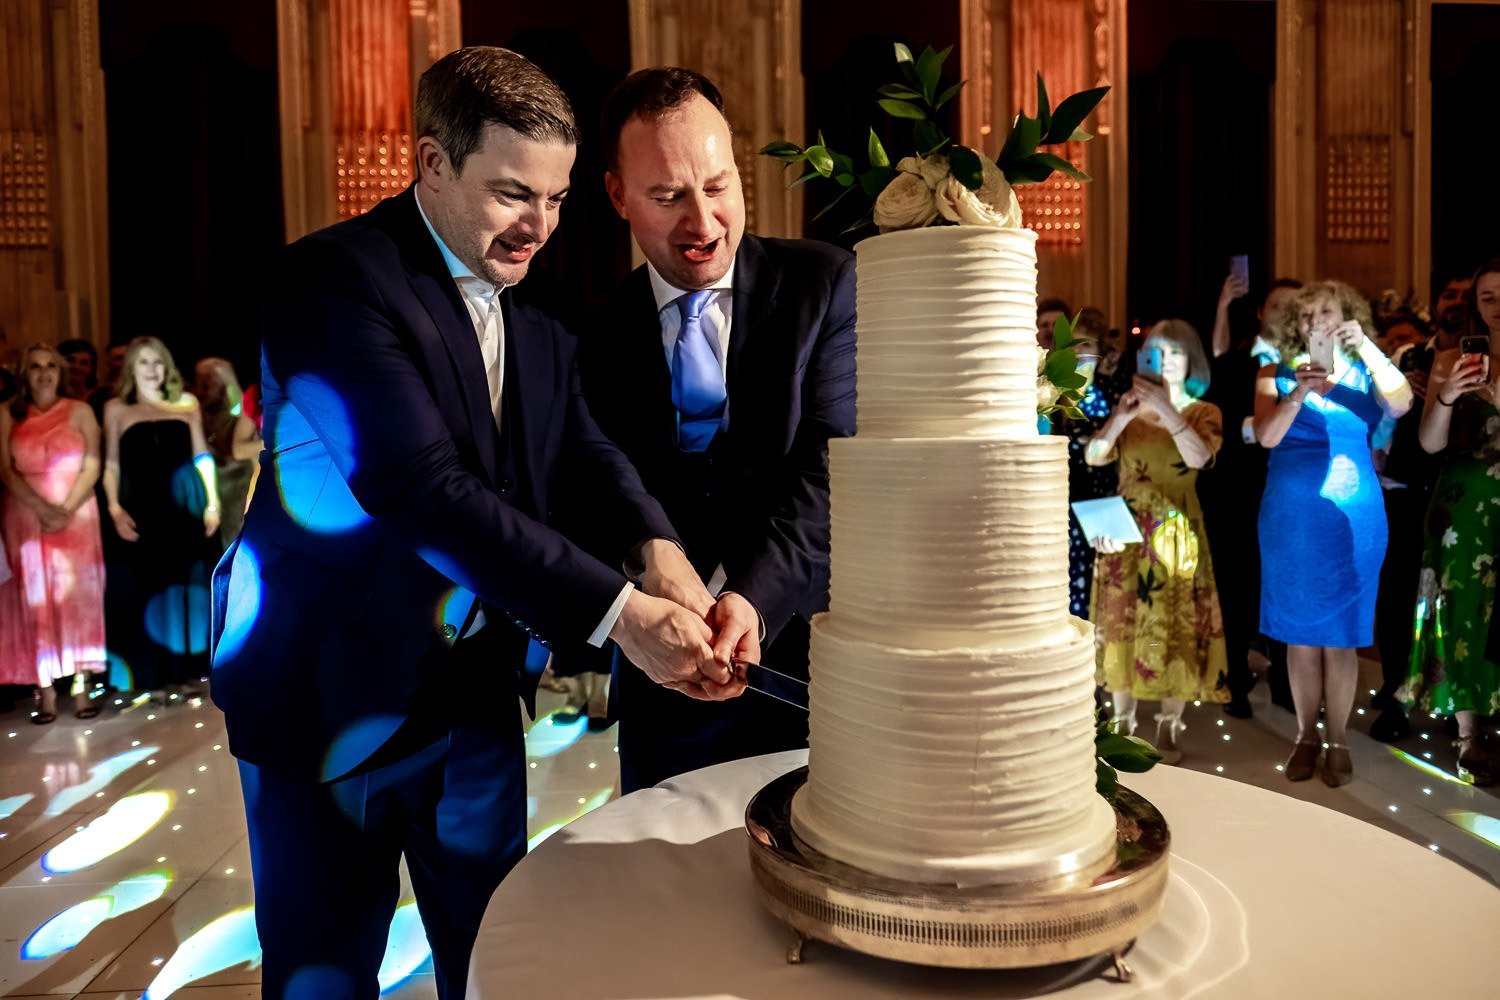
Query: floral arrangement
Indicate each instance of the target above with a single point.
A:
(945, 183)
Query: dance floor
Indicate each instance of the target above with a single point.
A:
(124, 869)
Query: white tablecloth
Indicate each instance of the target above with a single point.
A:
(1269, 897)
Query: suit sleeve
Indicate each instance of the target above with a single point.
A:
(790, 561)
(350, 370)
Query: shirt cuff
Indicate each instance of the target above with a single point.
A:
(1247, 430)
(611, 616)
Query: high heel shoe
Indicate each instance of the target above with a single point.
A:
(1473, 761)
(1303, 762)
(1338, 769)
(1166, 745)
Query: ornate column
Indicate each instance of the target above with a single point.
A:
(1352, 157)
(752, 50)
(348, 77)
(1075, 45)
(54, 259)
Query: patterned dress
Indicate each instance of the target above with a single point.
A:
(1156, 610)
(1087, 482)
(60, 629)
(1455, 658)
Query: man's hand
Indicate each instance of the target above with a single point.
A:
(671, 645)
(737, 629)
(669, 575)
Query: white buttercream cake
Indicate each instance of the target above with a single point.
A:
(952, 711)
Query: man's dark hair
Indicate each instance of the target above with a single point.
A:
(482, 85)
(1291, 283)
(649, 94)
(1053, 305)
(77, 345)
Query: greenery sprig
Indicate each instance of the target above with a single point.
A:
(1119, 752)
(1061, 370)
(918, 97)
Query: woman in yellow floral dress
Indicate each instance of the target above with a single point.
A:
(1156, 610)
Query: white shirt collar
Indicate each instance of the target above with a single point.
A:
(457, 268)
(667, 294)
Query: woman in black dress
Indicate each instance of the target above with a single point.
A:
(161, 488)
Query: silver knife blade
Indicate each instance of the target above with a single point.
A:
(772, 683)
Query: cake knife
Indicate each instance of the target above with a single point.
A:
(772, 683)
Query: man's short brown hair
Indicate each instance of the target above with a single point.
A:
(649, 94)
(481, 85)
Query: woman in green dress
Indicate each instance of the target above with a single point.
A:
(1455, 662)
(1156, 609)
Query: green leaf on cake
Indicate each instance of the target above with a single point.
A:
(929, 138)
(899, 91)
(1043, 109)
(1071, 113)
(903, 55)
(878, 157)
(1105, 781)
(930, 70)
(948, 95)
(964, 163)
(1058, 163)
(820, 159)
(901, 109)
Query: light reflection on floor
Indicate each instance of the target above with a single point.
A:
(146, 889)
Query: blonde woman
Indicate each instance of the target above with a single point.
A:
(1156, 609)
(1322, 518)
(163, 498)
(49, 462)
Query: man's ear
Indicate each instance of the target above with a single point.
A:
(616, 191)
(432, 160)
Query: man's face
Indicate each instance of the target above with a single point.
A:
(1044, 322)
(80, 370)
(115, 362)
(496, 214)
(1274, 308)
(677, 185)
(1449, 312)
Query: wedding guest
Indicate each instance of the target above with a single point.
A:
(1322, 520)
(232, 438)
(1156, 610)
(49, 460)
(162, 492)
(82, 360)
(1407, 475)
(1455, 660)
(109, 379)
(1085, 481)
(692, 375)
(1230, 489)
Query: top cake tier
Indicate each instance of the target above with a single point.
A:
(947, 333)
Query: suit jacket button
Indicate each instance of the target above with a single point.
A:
(450, 631)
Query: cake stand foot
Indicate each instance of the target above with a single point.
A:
(794, 953)
(1123, 972)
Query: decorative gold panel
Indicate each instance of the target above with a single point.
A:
(1359, 189)
(371, 49)
(370, 169)
(24, 210)
(1039, 30)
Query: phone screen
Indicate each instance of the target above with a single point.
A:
(1239, 265)
(1148, 363)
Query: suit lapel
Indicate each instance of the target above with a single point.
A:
(755, 285)
(644, 357)
(435, 288)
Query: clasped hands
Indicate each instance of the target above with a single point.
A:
(679, 635)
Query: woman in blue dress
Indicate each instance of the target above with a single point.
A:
(1322, 519)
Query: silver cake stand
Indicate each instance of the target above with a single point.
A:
(987, 927)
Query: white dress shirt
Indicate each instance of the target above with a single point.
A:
(482, 299)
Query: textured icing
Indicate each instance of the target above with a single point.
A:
(952, 710)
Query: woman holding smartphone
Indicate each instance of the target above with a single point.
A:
(1322, 519)
(1455, 663)
(1156, 609)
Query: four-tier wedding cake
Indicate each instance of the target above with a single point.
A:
(952, 711)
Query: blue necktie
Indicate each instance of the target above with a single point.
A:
(697, 379)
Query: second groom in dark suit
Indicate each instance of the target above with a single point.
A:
(721, 368)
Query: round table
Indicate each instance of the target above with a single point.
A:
(651, 896)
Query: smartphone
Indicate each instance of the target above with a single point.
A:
(1148, 363)
(1477, 344)
(1320, 349)
(1239, 265)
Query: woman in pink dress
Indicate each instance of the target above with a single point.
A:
(49, 462)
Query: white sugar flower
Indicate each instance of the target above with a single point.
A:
(906, 203)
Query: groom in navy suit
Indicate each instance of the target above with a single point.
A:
(721, 368)
(422, 416)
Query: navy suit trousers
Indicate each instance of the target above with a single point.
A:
(325, 858)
